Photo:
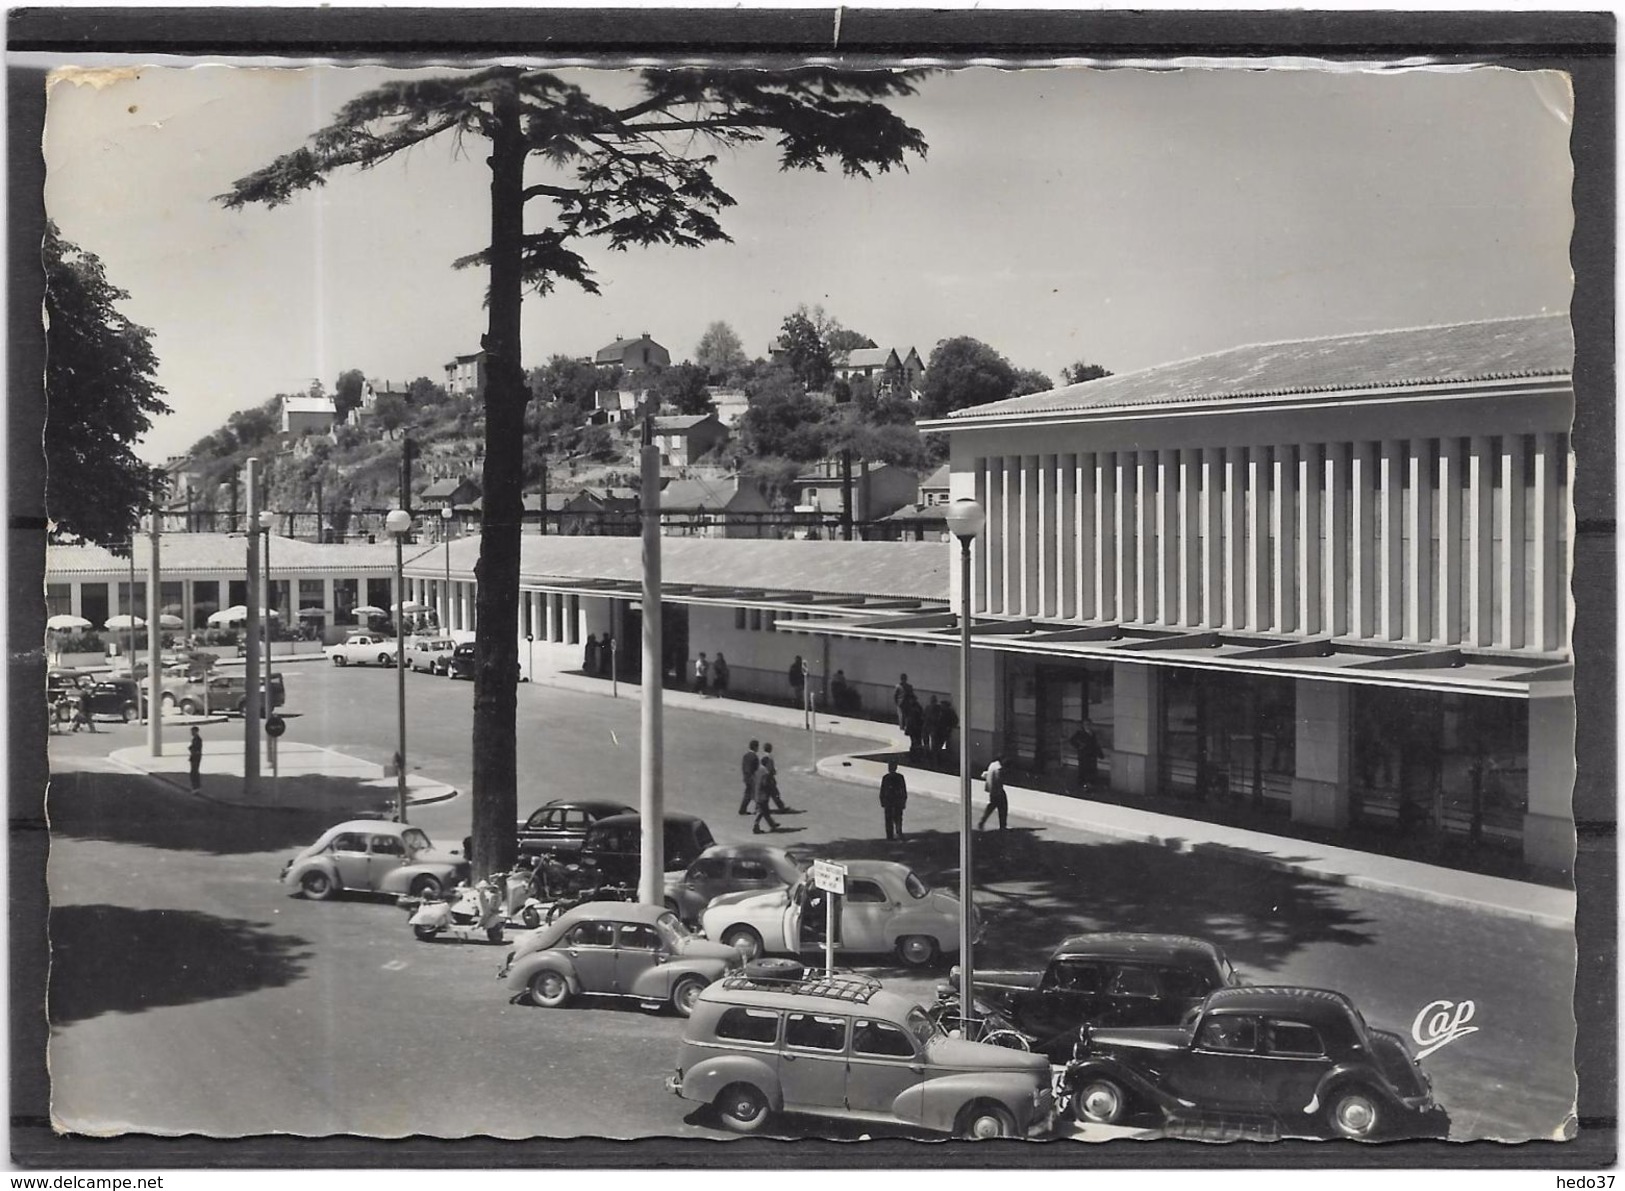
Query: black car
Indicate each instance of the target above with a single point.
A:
(1303, 1057)
(1107, 979)
(613, 848)
(561, 825)
(463, 664)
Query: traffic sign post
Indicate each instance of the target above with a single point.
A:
(831, 878)
(274, 726)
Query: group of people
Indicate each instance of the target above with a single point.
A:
(761, 795)
(598, 656)
(711, 677)
(929, 728)
(68, 710)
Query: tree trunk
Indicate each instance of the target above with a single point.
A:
(495, 791)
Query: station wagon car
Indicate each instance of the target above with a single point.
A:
(886, 908)
(1108, 979)
(362, 649)
(729, 868)
(619, 949)
(430, 655)
(1302, 1056)
(195, 694)
(842, 1046)
(373, 856)
(561, 825)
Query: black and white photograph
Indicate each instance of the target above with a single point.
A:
(890, 600)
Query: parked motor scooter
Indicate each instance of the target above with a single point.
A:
(463, 913)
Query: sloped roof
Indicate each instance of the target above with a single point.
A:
(913, 513)
(441, 489)
(532, 501)
(226, 554)
(868, 357)
(1498, 349)
(699, 494)
(937, 479)
(902, 570)
(305, 403)
(619, 348)
(680, 422)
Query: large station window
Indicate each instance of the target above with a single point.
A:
(346, 599)
(205, 601)
(1228, 738)
(1047, 705)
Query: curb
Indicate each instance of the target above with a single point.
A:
(833, 767)
(449, 792)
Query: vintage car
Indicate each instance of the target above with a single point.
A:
(1109, 979)
(561, 825)
(373, 856)
(1302, 1056)
(616, 949)
(362, 649)
(842, 1046)
(886, 907)
(430, 655)
(612, 849)
(196, 694)
(730, 868)
(114, 698)
(463, 662)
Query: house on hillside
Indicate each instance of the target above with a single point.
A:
(684, 439)
(731, 507)
(878, 489)
(934, 488)
(304, 413)
(615, 407)
(912, 523)
(456, 492)
(729, 405)
(465, 376)
(890, 372)
(633, 355)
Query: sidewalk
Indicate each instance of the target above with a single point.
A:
(308, 778)
(1338, 866)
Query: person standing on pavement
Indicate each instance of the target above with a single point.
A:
(589, 655)
(993, 782)
(749, 764)
(900, 695)
(194, 757)
(769, 777)
(933, 728)
(947, 721)
(719, 676)
(702, 675)
(914, 727)
(798, 682)
(1087, 745)
(893, 798)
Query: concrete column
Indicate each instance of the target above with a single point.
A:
(1207, 605)
(327, 601)
(1548, 825)
(574, 621)
(1547, 591)
(1136, 728)
(1283, 511)
(466, 591)
(1320, 782)
(1235, 537)
(1479, 515)
(1335, 556)
(1390, 555)
(76, 603)
(1363, 540)
(1187, 607)
(1447, 618)
(1171, 545)
(1258, 539)
(1010, 534)
(1145, 537)
(1072, 544)
(979, 569)
(552, 617)
(1128, 568)
(1419, 556)
(1035, 518)
(1509, 515)
(993, 534)
(1106, 606)
(1309, 538)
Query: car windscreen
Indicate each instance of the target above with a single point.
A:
(921, 1026)
(415, 840)
(671, 931)
(916, 887)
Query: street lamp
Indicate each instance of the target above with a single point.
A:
(965, 519)
(445, 592)
(267, 520)
(399, 524)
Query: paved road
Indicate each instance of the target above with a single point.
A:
(190, 993)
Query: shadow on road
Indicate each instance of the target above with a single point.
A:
(1033, 890)
(113, 959)
(127, 809)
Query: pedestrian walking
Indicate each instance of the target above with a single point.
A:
(589, 655)
(933, 727)
(841, 695)
(763, 803)
(1087, 746)
(993, 783)
(914, 727)
(798, 682)
(769, 777)
(893, 798)
(702, 675)
(719, 676)
(606, 656)
(81, 716)
(194, 757)
(900, 695)
(947, 721)
(749, 764)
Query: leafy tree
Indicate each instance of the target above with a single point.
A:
(963, 372)
(565, 379)
(101, 398)
(1076, 374)
(250, 427)
(683, 387)
(423, 392)
(629, 175)
(392, 412)
(788, 425)
(598, 444)
(804, 350)
(841, 342)
(1030, 380)
(720, 352)
(347, 392)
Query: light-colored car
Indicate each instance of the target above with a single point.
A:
(842, 1046)
(430, 655)
(362, 649)
(730, 868)
(620, 949)
(373, 856)
(887, 907)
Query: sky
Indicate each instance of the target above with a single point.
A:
(1126, 217)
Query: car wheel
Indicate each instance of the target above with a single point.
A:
(493, 934)
(189, 708)
(685, 994)
(531, 917)
(385, 660)
(339, 659)
(917, 951)
(317, 886)
(775, 968)
(167, 699)
(124, 713)
(549, 990)
(1354, 1113)
(242, 707)
(742, 1107)
(425, 886)
(424, 933)
(743, 940)
(1100, 1102)
(984, 1121)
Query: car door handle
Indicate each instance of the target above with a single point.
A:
(788, 1058)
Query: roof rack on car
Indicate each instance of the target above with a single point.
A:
(841, 986)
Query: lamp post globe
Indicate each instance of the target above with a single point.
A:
(965, 520)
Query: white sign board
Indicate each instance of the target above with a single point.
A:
(829, 876)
